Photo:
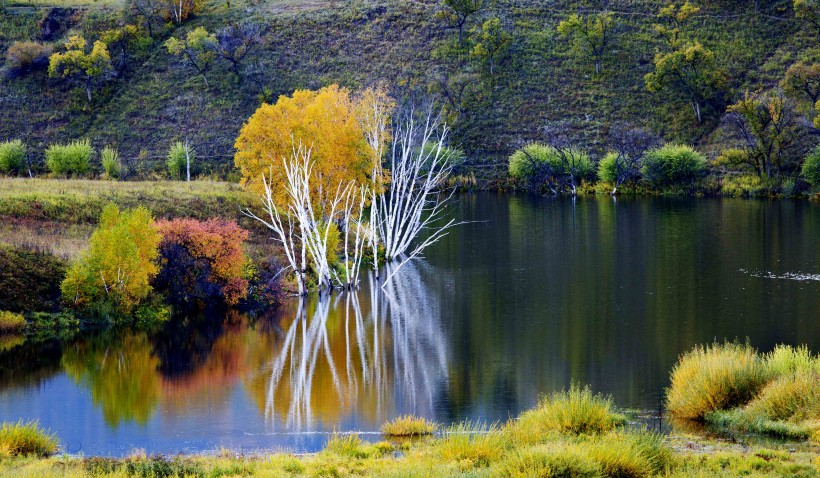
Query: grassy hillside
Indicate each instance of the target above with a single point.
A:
(542, 81)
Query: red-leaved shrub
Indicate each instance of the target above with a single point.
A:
(202, 260)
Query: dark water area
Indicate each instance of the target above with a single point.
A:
(531, 295)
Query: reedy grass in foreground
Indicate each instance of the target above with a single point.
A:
(408, 426)
(732, 387)
(23, 439)
(11, 322)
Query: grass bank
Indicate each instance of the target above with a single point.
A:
(81, 201)
(569, 434)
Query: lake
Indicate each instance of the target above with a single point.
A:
(530, 295)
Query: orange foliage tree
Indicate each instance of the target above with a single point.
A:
(327, 122)
(203, 259)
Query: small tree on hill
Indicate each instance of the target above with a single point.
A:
(457, 12)
(85, 68)
(690, 72)
(149, 11)
(808, 11)
(198, 50)
(235, 42)
(591, 34)
(491, 43)
(802, 79)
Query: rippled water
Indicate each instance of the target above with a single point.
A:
(532, 294)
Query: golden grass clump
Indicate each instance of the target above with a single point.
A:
(408, 426)
(574, 411)
(11, 322)
(24, 439)
(553, 460)
(471, 445)
(716, 377)
(794, 397)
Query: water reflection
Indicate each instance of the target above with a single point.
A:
(367, 353)
(526, 297)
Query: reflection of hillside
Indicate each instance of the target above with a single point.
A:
(355, 354)
(26, 364)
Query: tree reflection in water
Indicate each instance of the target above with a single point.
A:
(389, 359)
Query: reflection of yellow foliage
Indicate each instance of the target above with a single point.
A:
(120, 373)
(349, 371)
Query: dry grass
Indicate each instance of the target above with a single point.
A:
(11, 322)
(23, 439)
(65, 241)
(408, 426)
(715, 377)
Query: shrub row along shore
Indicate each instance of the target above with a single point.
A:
(574, 433)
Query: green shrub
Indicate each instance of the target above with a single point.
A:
(407, 426)
(743, 185)
(673, 164)
(11, 322)
(24, 56)
(607, 168)
(574, 411)
(453, 156)
(525, 163)
(110, 159)
(69, 159)
(717, 377)
(23, 439)
(177, 160)
(811, 167)
(12, 156)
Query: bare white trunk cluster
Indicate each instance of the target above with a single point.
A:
(412, 203)
(416, 198)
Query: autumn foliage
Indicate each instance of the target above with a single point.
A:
(327, 121)
(202, 260)
(119, 263)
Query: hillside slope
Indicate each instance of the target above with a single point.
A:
(542, 81)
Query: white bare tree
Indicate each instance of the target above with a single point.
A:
(416, 199)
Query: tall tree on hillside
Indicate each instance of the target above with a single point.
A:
(87, 68)
(235, 42)
(591, 33)
(197, 49)
(689, 71)
(457, 12)
(808, 11)
(770, 131)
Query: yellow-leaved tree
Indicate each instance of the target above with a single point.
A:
(119, 263)
(327, 122)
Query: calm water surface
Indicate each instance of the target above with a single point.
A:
(534, 294)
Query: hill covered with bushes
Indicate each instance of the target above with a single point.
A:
(512, 74)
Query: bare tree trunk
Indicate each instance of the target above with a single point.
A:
(187, 161)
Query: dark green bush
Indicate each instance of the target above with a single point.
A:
(811, 167)
(673, 164)
(69, 159)
(12, 156)
(29, 281)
